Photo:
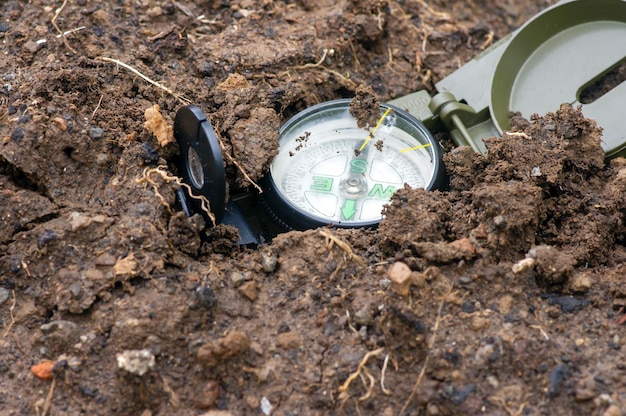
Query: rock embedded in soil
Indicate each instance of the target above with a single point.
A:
(137, 362)
(209, 395)
(400, 276)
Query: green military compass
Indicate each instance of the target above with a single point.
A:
(329, 171)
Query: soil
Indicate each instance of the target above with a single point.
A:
(502, 295)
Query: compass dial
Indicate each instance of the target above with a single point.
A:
(330, 171)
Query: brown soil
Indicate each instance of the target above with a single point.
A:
(512, 302)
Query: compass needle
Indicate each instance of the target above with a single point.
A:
(371, 135)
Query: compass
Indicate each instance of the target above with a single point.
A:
(331, 171)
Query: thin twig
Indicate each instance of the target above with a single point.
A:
(48, 402)
(97, 107)
(145, 78)
(240, 168)
(54, 23)
(318, 64)
(11, 309)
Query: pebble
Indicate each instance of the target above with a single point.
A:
(43, 370)
(96, 132)
(581, 283)
(266, 406)
(60, 123)
(249, 290)
(31, 46)
(61, 328)
(289, 340)
(384, 283)
(137, 362)
(237, 278)
(400, 275)
(523, 265)
(4, 27)
(4, 295)
(205, 296)
(557, 377)
(268, 261)
(209, 395)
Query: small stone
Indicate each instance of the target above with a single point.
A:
(209, 395)
(400, 275)
(289, 340)
(523, 265)
(557, 378)
(384, 283)
(205, 296)
(581, 283)
(66, 330)
(484, 354)
(96, 132)
(266, 406)
(4, 295)
(268, 261)
(31, 46)
(237, 279)
(137, 362)
(43, 370)
(59, 123)
(4, 27)
(249, 290)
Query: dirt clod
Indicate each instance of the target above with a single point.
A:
(233, 344)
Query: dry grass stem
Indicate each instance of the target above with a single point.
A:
(180, 98)
(332, 239)
(97, 107)
(54, 23)
(382, 376)
(11, 309)
(48, 402)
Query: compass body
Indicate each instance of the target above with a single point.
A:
(330, 171)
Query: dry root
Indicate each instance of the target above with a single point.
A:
(162, 172)
(332, 239)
